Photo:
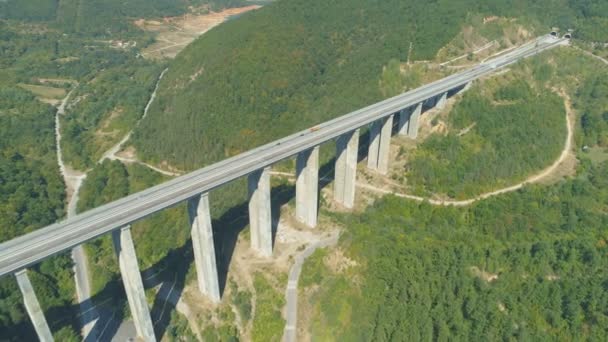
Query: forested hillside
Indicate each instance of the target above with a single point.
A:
(526, 266)
(100, 17)
(503, 130)
(511, 126)
(294, 64)
(31, 190)
(31, 196)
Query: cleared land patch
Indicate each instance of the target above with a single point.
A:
(175, 33)
(44, 93)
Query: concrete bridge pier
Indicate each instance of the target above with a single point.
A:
(307, 187)
(346, 169)
(131, 279)
(33, 307)
(374, 145)
(412, 128)
(466, 87)
(260, 219)
(404, 121)
(385, 145)
(441, 102)
(379, 146)
(203, 246)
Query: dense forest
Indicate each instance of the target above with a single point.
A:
(101, 17)
(295, 64)
(529, 265)
(515, 126)
(31, 189)
(500, 132)
(31, 196)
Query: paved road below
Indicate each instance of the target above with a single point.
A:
(291, 294)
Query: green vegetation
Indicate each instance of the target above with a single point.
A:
(101, 17)
(154, 237)
(267, 322)
(594, 105)
(31, 189)
(115, 84)
(222, 332)
(517, 126)
(242, 301)
(31, 196)
(110, 105)
(45, 92)
(179, 330)
(312, 271)
(292, 65)
(529, 265)
(275, 71)
(40, 55)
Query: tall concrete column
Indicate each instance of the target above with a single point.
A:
(203, 246)
(385, 145)
(412, 129)
(404, 120)
(443, 99)
(307, 186)
(346, 169)
(33, 307)
(374, 145)
(380, 140)
(260, 219)
(131, 279)
(466, 87)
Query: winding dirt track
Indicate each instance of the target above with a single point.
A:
(601, 59)
(570, 120)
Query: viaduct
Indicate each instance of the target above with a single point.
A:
(115, 218)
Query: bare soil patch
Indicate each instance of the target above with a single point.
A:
(484, 275)
(175, 33)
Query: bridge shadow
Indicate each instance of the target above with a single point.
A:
(171, 271)
(110, 304)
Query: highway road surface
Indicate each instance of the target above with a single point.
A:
(31, 248)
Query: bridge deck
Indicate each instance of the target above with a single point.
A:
(31, 248)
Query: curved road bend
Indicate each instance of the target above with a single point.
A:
(291, 293)
(570, 122)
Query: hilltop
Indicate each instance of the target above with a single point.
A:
(292, 64)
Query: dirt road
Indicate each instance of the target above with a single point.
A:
(566, 151)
